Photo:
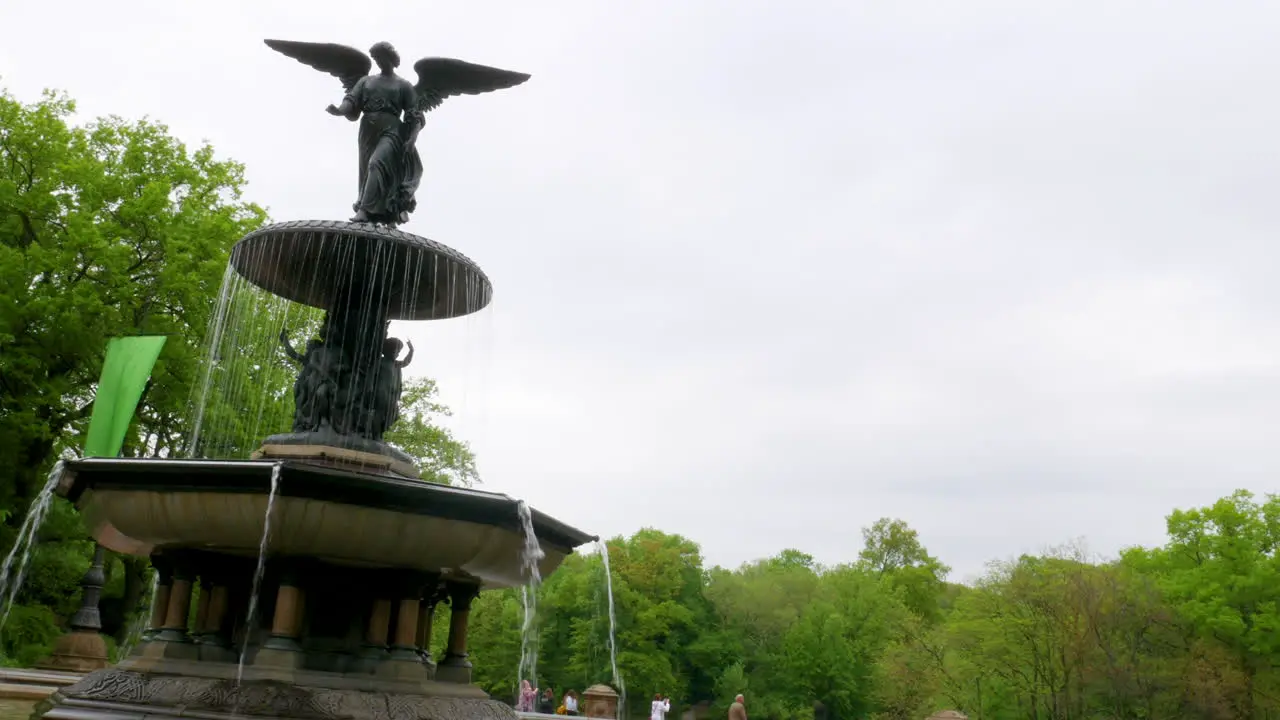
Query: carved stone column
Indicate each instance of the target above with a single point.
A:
(178, 608)
(286, 622)
(282, 649)
(426, 619)
(456, 667)
(211, 618)
(406, 664)
(202, 607)
(160, 599)
(214, 633)
(83, 649)
(378, 628)
(404, 644)
(172, 640)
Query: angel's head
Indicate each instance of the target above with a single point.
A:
(385, 55)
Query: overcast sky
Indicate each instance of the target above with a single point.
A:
(765, 272)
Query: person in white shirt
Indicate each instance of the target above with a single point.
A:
(661, 706)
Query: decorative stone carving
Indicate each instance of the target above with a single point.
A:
(601, 701)
(275, 699)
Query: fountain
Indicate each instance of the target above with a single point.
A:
(317, 565)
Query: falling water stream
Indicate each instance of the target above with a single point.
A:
(139, 624)
(250, 622)
(213, 339)
(613, 627)
(530, 555)
(24, 544)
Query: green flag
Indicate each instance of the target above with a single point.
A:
(124, 376)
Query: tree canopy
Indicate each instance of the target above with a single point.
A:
(1184, 630)
(110, 228)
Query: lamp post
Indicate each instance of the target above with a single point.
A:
(82, 648)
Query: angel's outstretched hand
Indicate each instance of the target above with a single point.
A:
(333, 110)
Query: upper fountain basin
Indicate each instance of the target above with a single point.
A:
(343, 517)
(319, 262)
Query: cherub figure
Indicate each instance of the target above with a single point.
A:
(313, 391)
(389, 383)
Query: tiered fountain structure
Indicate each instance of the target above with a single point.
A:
(360, 551)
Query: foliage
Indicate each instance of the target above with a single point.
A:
(441, 457)
(106, 229)
(892, 550)
(244, 391)
(29, 635)
(1186, 630)
(112, 228)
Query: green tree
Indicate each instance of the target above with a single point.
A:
(731, 683)
(111, 228)
(893, 550)
(494, 637)
(1221, 573)
(757, 606)
(441, 457)
(658, 589)
(832, 651)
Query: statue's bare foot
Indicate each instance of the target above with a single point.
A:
(361, 217)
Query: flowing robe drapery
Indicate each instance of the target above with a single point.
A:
(390, 167)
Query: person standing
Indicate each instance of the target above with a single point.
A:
(547, 702)
(528, 696)
(738, 710)
(660, 707)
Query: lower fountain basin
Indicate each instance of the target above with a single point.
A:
(338, 516)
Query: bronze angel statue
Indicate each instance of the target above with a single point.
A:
(391, 112)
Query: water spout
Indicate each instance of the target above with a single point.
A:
(251, 616)
(24, 544)
(613, 628)
(530, 555)
(216, 325)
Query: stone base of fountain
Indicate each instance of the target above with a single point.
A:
(305, 583)
(343, 589)
(78, 652)
(122, 694)
(342, 517)
(329, 448)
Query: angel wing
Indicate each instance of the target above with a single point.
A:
(439, 78)
(345, 63)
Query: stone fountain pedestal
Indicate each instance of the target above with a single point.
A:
(600, 701)
(356, 565)
(359, 552)
(121, 694)
(83, 649)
